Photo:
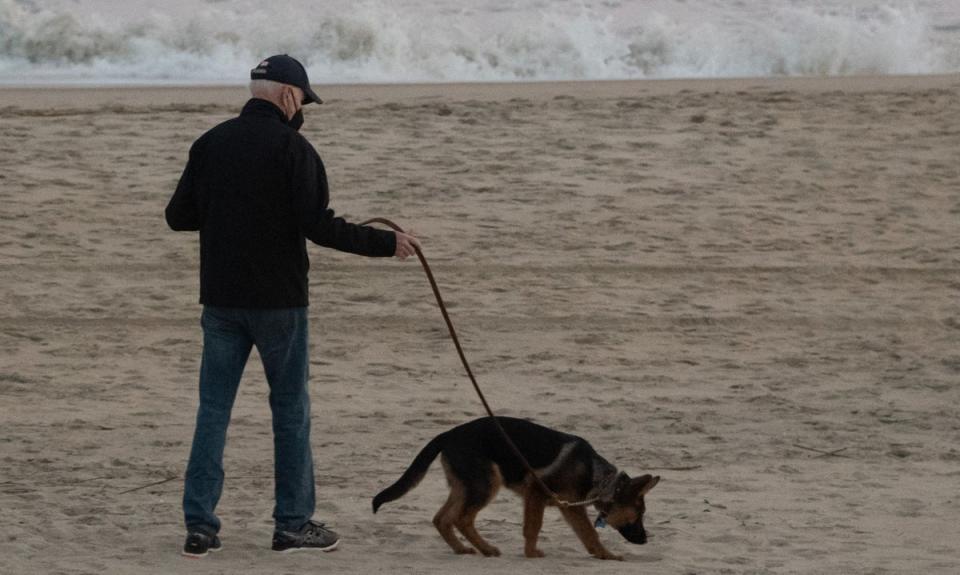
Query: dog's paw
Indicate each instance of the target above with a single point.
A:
(602, 553)
(534, 553)
(490, 551)
(611, 557)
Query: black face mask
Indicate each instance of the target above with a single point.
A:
(296, 120)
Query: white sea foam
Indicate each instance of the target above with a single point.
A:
(92, 41)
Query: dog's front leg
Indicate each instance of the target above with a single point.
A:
(578, 520)
(533, 506)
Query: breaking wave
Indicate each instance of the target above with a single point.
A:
(217, 42)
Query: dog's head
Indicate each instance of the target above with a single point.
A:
(622, 507)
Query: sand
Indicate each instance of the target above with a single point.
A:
(748, 287)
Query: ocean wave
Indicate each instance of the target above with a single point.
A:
(381, 42)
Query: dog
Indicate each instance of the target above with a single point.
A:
(477, 461)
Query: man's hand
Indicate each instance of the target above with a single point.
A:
(407, 245)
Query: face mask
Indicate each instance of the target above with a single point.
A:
(297, 120)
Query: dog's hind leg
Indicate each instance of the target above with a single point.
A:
(446, 518)
(469, 531)
(466, 526)
(533, 506)
(479, 494)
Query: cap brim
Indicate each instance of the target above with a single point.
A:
(310, 96)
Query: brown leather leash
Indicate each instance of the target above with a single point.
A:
(466, 366)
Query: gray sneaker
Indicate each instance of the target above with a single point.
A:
(312, 535)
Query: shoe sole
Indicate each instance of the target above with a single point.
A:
(326, 549)
(201, 555)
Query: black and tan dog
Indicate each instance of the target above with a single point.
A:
(477, 461)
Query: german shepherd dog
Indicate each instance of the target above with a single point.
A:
(477, 461)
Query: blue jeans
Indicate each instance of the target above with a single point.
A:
(281, 339)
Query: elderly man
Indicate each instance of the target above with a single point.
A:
(256, 189)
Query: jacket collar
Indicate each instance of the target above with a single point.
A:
(263, 108)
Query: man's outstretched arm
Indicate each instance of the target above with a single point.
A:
(320, 224)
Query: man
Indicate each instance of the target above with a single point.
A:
(256, 189)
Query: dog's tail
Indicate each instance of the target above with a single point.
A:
(412, 476)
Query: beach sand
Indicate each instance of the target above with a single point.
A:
(748, 287)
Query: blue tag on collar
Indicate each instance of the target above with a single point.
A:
(600, 522)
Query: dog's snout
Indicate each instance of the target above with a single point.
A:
(634, 533)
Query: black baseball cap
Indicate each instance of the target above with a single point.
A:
(286, 70)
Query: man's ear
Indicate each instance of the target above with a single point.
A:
(289, 99)
(643, 484)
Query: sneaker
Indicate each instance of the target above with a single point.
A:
(199, 543)
(313, 535)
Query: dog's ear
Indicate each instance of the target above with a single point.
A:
(642, 485)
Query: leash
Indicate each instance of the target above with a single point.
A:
(466, 366)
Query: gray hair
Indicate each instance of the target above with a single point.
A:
(266, 89)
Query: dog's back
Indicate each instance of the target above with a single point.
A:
(542, 447)
(469, 449)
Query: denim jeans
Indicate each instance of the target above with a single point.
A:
(281, 339)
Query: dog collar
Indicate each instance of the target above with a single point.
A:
(604, 478)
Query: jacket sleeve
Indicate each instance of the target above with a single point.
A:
(318, 222)
(183, 212)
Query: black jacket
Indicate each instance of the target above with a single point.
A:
(255, 189)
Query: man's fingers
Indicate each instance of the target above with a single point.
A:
(406, 245)
(416, 235)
